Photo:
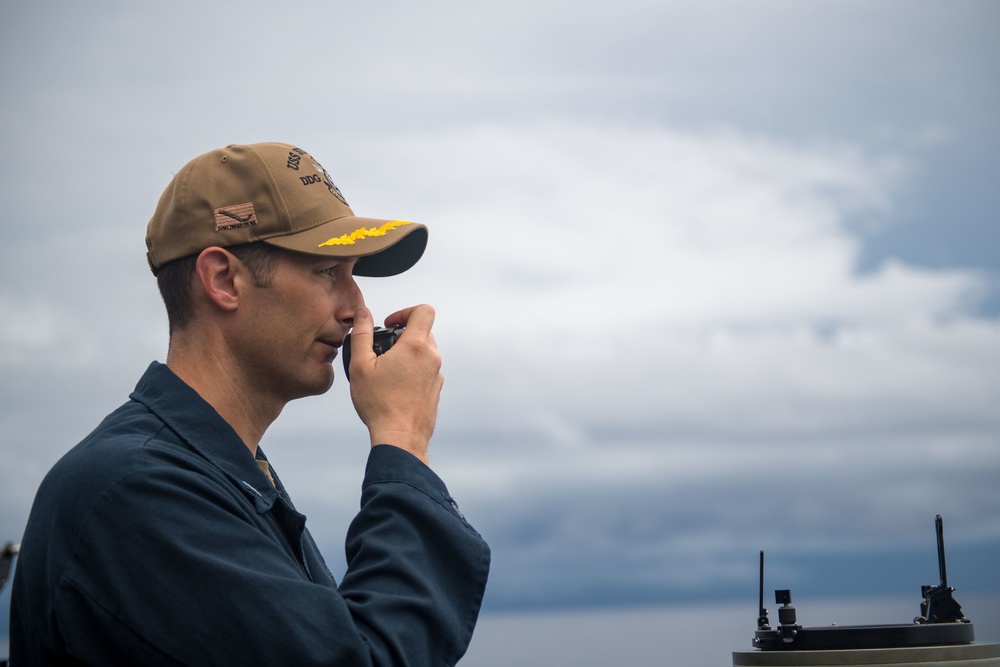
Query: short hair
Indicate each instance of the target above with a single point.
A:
(175, 279)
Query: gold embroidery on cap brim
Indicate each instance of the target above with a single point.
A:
(364, 233)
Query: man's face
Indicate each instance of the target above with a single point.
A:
(291, 331)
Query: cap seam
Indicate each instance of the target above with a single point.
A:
(279, 197)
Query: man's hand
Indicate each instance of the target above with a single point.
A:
(396, 394)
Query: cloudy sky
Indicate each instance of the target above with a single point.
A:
(711, 277)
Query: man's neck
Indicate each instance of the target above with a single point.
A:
(221, 384)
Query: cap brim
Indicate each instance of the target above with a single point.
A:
(384, 247)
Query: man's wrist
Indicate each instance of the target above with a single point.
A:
(402, 440)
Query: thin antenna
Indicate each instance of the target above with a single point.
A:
(762, 623)
(760, 597)
(939, 526)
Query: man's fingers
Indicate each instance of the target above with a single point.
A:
(362, 335)
(418, 318)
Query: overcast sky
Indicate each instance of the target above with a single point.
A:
(710, 277)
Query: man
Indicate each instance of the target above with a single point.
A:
(164, 538)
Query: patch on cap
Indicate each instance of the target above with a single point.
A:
(327, 181)
(364, 232)
(233, 217)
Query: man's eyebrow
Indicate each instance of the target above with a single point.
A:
(327, 260)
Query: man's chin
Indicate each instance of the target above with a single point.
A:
(324, 386)
(318, 385)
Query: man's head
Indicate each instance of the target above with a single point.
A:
(274, 194)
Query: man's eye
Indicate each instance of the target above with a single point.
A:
(338, 270)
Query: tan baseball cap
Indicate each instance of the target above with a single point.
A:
(278, 194)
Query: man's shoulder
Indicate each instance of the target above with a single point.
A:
(137, 434)
(163, 435)
(129, 445)
(121, 444)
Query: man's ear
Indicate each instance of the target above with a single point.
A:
(218, 274)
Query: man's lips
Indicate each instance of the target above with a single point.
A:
(334, 346)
